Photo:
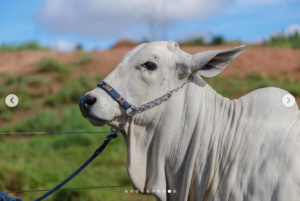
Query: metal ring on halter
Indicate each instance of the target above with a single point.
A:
(131, 110)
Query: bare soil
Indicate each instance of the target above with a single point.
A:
(272, 61)
(254, 59)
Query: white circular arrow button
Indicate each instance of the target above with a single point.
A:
(288, 100)
(11, 100)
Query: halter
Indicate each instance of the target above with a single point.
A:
(131, 109)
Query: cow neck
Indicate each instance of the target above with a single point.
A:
(212, 136)
(177, 135)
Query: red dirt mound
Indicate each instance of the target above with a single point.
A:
(273, 61)
(125, 43)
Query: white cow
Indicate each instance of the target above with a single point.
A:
(199, 143)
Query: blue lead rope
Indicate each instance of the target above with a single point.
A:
(5, 197)
(114, 134)
(96, 153)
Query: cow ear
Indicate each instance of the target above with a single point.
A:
(211, 63)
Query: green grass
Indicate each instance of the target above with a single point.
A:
(282, 40)
(33, 80)
(83, 58)
(195, 41)
(49, 64)
(72, 91)
(32, 45)
(13, 79)
(6, 114)
(25, 87)
(234, 87)
(37, 81)
(42, 161)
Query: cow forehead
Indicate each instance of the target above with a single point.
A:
(164, 46)
(159, 48)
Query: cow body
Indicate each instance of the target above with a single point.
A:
(205, 146)
(212, 148)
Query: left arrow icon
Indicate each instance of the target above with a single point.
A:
(11, 100)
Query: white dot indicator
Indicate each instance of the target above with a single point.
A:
(169, 191)
(126, 191)
(131, 191)
(142, 191)
(158, 191)
(174, 191)
(288, 100)
(147, 191)
(136, 191)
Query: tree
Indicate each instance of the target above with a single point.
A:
(217, 40)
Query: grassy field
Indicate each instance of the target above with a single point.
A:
(49, 102)
(42, 161)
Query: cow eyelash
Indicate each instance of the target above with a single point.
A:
(150, 66)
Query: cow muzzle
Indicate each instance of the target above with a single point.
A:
(85, 103)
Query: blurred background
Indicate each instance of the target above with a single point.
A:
(54, 51)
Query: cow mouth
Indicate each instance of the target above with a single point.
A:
(97, 121)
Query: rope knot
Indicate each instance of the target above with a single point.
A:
(5, 197)
(114, 134)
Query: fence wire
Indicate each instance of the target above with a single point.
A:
(34, 133)
(65, 189)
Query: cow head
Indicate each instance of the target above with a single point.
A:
(147, 72)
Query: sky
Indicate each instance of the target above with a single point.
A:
(98, 24)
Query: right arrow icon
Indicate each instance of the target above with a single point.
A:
(288, 100)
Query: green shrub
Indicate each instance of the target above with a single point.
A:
(49, 64)
(83, 58)
(283, 40)
(13, 79)
(32, 45)
(34, 80)
(37, 80)
(218, 40)
(196, 41)
(79, 47)
(73, 91)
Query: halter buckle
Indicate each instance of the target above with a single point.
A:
(131, 111)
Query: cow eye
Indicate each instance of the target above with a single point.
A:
(150, 66)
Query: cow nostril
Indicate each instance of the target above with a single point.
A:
(90, 100)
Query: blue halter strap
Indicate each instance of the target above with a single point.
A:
(131, 109)
(114, 94)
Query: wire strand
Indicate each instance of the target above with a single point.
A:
(34, 133)
(64, 189)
